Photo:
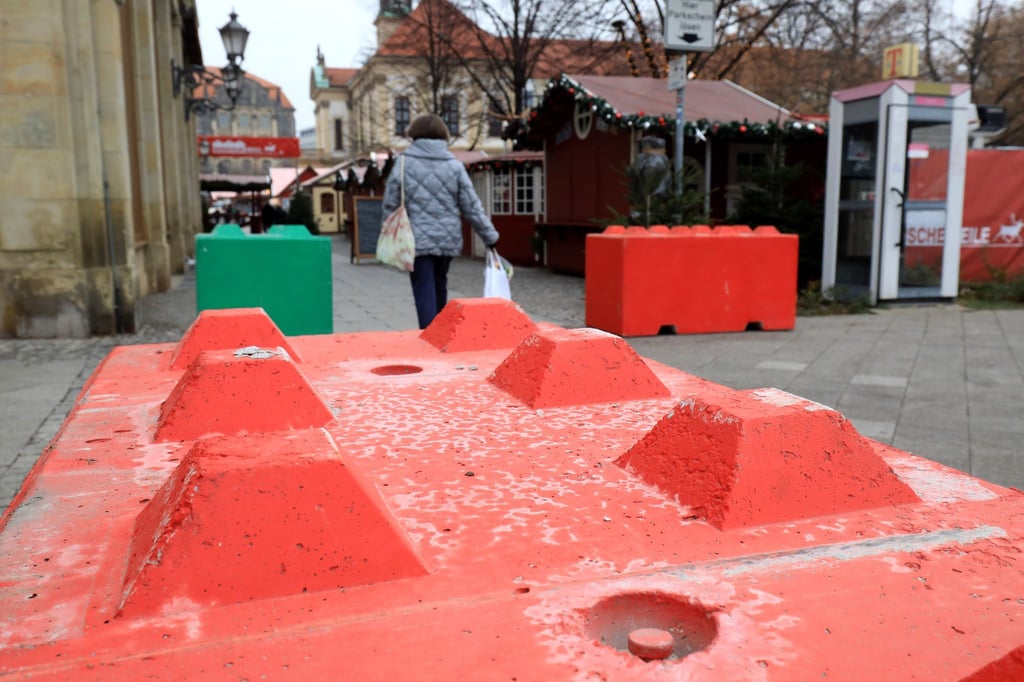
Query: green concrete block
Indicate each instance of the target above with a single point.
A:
(286, 271)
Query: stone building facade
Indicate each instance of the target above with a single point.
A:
(371, 105)
(328, 88)
(99, 179)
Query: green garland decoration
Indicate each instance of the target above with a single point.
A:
(744, 130)
(492, 164)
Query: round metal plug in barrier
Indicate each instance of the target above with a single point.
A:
(652, 625)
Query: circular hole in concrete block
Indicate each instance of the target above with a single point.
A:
(692, 626)
(394, 370)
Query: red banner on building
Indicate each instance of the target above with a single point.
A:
(260, 147)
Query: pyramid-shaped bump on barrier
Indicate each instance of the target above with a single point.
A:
(249, 390)
(468, 324)
(742, 458)
(559, 367)
(227, 330)
(252, 518)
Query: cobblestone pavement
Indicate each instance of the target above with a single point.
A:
(40, 379)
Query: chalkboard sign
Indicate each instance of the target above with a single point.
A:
(366, 227)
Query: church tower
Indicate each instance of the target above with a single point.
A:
(392, 13)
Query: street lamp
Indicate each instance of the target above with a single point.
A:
(188, 78)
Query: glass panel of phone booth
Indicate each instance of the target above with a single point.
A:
(856, 208)
(924, 208)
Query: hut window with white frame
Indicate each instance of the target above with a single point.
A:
(526, 198)
(501, 191)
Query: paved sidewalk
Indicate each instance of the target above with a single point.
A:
(939, 381)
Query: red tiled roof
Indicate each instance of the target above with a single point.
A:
(410, 38)
(600, 58)
(207, 90)
(339, 77)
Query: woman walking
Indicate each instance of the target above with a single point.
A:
(438, 195)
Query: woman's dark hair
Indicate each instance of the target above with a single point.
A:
(429, 126)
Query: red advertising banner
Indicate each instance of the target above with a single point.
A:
(992, 231)
(259, 147)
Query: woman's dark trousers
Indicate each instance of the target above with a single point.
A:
(429, 279)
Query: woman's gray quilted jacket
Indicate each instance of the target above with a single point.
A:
(438, 193)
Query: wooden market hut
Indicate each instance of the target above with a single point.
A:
(511, 188)
(589, 128)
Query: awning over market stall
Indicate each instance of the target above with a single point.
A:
(224, 182)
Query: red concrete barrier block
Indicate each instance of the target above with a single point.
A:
(743, 458)
(254, 517)
(576, 367)
(693, 281)
(732, 229)
(468, 324)
(252, 390)
(229, 329)
(444, 528)
(1009, 668)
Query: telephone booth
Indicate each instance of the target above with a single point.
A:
(895, 190)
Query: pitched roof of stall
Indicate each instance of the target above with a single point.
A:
(717, 108)
(711, 100)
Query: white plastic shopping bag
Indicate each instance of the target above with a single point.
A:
(496, 276)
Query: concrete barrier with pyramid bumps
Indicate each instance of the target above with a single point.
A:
(490, 498)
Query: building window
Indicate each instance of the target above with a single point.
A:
(529, 95)
(526, 197)
(327, 202)
(748, 163)
(243, 122)
(501, 191)
(495, 126)
(450, 113)
(745, 162)
(583, 120)
(339, 140)
(493, 122)
(401, 115)
(264, 123)
(223, 122)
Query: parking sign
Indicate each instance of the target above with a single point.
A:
(690, 25)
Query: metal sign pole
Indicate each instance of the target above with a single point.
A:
(680, 125)
(689, 27)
